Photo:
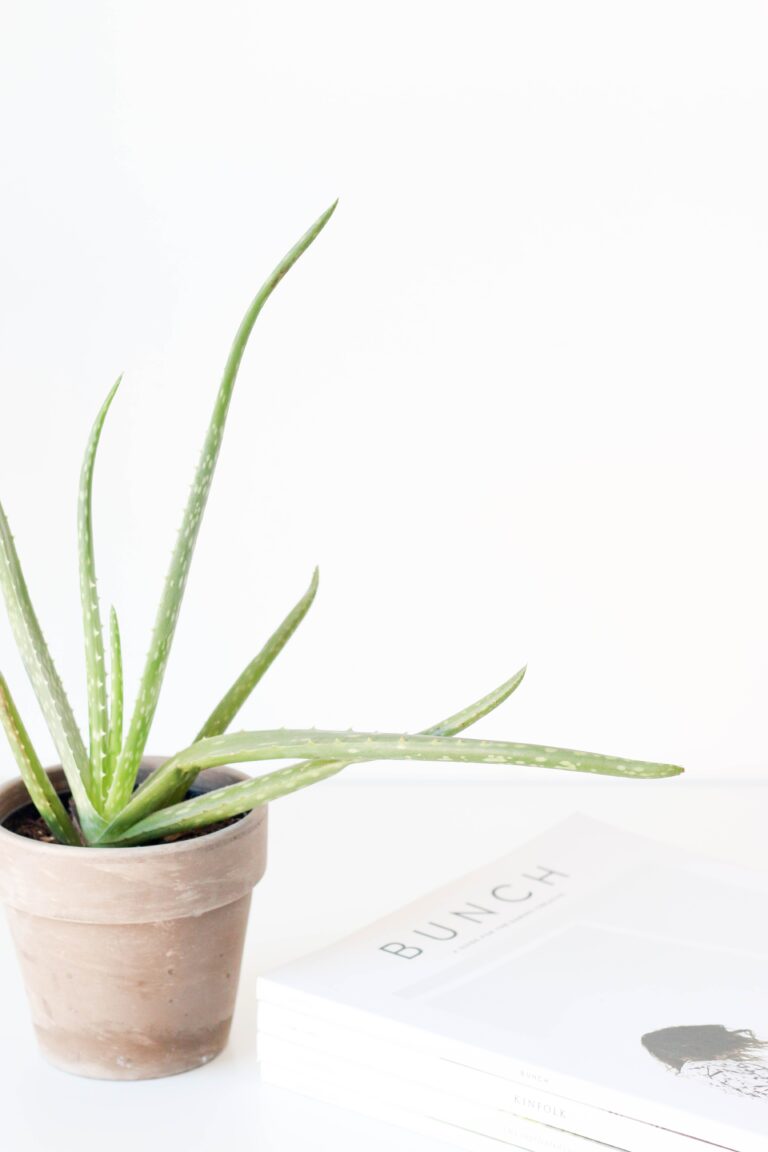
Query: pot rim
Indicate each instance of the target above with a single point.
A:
(216, 777)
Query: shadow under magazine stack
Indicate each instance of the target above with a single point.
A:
(592, 988)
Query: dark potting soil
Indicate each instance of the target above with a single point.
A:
(28, 822)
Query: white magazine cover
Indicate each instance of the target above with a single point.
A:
(599, 966)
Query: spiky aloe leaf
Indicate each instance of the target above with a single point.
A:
(357, 747)
(46, 683)
(170, 602)
(238, 798)
(231, 703)
(41, 792)
(89, 597)
(115, 737)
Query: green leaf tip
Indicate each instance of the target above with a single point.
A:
(233, 700)
(93, 632)
(467, 716)
(176, 578)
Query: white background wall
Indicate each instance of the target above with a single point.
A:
(511, 401)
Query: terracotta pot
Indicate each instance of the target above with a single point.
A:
(131, 956)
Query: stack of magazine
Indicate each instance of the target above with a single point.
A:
(591, 989)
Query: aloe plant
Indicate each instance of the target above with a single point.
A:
(107, 808)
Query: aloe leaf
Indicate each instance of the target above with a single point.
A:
(468, 716)
(357, 747)
(115, 736)
(173, 591)
(231, 703)
(46, 683)
(238, 798)
(41, 791)
(89, 597)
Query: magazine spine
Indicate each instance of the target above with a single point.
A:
(524, 1136)
(427, 1092)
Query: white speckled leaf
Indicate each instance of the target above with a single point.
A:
(173, 591)
(89, 597)
(45, 681)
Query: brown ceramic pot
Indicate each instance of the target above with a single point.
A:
(131, 956)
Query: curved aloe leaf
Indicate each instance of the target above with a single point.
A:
(238, 798)
(41, 792)
(115, 737)
(46, 683)
(89, 597)
(357, 747)
(230, 704)
(170, 602)
(470, 715)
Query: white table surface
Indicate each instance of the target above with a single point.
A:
(340, 854)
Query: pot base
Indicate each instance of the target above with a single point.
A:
(105, 1059)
